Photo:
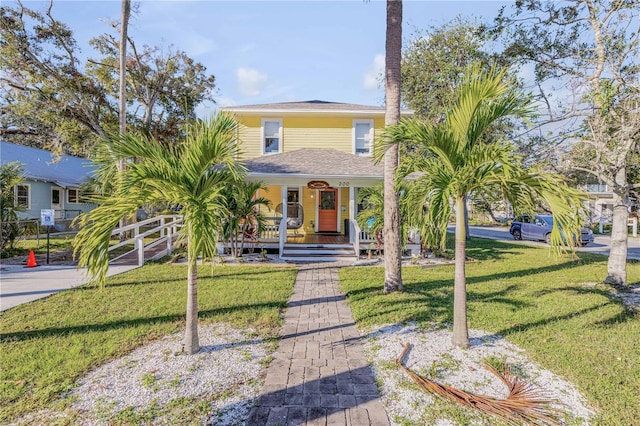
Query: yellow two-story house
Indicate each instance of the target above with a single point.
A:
(314, 156)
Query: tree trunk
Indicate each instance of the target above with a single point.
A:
(392, 250)
(617, 264)
(460, 331)
(467, 233)
(491, 213)
(122, 102)
(191, 342)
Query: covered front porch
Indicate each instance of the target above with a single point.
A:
(314, 202)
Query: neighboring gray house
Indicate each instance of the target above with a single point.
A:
(50, 182)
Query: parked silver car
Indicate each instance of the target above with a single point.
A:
(539, 226)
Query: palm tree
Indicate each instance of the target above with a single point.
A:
(192, 174)
(393, 59)
(459, 157)
(371, 217)
(244, 215)
(11, 174)
(122, 101)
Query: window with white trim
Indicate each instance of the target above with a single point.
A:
(22, 193)
(362, 137)
(73, 195)
(271, 136)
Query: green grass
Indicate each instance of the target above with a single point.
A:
(46, 345)
(39, 246)
(63, 243)
(537, 301)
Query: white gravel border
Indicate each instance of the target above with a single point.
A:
(433, 351)
(227, 372)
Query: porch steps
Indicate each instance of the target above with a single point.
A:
(318, 252)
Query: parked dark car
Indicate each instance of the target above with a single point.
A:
(539, 226)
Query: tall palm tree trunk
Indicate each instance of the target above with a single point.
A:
(392, 250)
(124, 27)
(191, 341)
(460, 331)
(122, 102)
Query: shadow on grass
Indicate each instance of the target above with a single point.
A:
(432, 299)
(121, 324)
(479, 279)
(182, 277)
(622, 317)
(544, 321)
(423, 301)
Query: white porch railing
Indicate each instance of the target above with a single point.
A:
(167, 226)
(366, 237)
(270, 231)
(282, 229)
(354, 236)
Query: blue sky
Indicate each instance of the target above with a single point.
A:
(272, 51)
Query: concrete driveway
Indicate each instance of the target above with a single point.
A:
(20, 285)
(601, 244)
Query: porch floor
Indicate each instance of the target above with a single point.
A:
(317, 239)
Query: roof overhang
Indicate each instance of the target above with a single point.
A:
(311, 113)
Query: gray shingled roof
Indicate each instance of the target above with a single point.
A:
(41, 165)
(315, 162)
(314, 105)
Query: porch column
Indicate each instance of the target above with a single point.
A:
(282, 236)
(352, 211)
(285, 210)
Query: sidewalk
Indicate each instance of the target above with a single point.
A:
(20, 285)
(320, 374)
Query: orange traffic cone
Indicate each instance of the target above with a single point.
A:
(32, 260)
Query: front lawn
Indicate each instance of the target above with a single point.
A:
(548, 305)
(46, 345)
(57, 243)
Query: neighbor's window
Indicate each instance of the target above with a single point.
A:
(271, 136)
(73, 195)
(363, 136)
(22, 195)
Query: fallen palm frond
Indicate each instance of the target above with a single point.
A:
(524, 403)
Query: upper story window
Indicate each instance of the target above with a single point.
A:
(271, 136)
(362, 137)
(22, 195)
(597, 187)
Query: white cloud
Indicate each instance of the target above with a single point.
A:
(250, 81)
(373, 76)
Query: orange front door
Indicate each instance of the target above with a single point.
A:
(328, 210)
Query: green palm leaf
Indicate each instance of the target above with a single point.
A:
(192, 173)
(462, 156)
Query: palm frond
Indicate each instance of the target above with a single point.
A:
(525, 403)
(192, 174)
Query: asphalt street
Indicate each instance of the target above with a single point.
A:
(600, 245)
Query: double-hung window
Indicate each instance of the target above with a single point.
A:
(271, 136)
(362, 137)
(73, 195)
(22, 196)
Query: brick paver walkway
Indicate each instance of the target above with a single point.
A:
(320, 375)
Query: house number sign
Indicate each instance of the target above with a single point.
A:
(343, 184)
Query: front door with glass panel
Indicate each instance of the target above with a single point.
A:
(328, 210)
(57, 203)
